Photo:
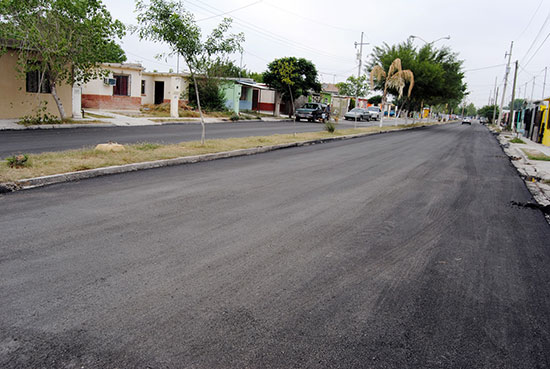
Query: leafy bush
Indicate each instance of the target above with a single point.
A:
(517, 141)
(18, 161)
(330, 127)
(212, 97)
(43, 118)
(234, 117)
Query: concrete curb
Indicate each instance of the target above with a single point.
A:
(29, 183)
(532, 179)
(109, 125)
(58, 126)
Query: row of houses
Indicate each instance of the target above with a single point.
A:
(128, 86)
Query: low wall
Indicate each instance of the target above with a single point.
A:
(110, 102)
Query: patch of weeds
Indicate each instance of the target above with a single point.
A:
(542, 157)
(18, 161)
(234, 117)
(146, 146)
(43, 118)
(517, 140)
(93, 115)
(330, 127)
(82, 167)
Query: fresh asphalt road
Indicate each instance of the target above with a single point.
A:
(399, 250)
(40, 140)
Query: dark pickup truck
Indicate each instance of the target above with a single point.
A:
(312, 112)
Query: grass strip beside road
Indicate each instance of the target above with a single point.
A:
(49, 163)
(536, 155)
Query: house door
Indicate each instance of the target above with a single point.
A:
(255, 102)
(159, 92)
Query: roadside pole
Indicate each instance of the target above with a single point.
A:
(544, 84)
(360, 57)
(495, 107)
(513, 98)
(509, 55)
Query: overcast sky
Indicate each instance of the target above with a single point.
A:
(324, 32)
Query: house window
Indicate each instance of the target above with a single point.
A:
(33, 82)
(143, 87)
(121, 87)
(244, 93)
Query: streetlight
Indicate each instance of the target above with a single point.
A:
(429, 43)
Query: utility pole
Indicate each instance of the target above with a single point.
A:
(495, 106)
(544, 84)
(509, 55)
(533, 89)
(495, 97)
(513, 98)
(360, 57)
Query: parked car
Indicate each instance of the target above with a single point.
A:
(467, 120)
(375, 112)
(357, 113)
(312, 112)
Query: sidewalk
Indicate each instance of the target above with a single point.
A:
(535, 172)
(114, 119)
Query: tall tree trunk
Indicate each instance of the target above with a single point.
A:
(58, 101)
(278, 99)
(203, 135)
(383, 105)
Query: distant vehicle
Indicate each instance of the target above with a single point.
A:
(483, 120)
(392, 113)
(312, 112)
(467, 120)
(375, 112)
(357, 113)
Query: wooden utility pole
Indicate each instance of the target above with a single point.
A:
(360, 57)
(509, 55)
(495, 107)
(544, 84)
(511, 121)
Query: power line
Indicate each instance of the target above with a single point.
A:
(268, 34)
(530, 20)
(536, 37)
(482, 68)
(317, 22)
(231, 11)
(536, 52)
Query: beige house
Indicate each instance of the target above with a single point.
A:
(128, 86)
(19, 95)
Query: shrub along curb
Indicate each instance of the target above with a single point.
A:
(29, 183)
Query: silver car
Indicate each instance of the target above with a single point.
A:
(357, 114)
(374, 112)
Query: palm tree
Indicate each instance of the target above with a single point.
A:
(395, 78)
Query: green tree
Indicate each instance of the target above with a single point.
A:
(375, 100)
(488, 111)
(65, 41)
(470, 110)
(168, 21)
(438, 75)
(518, 104)
(258, 77)
(301, 74)
(354, 86)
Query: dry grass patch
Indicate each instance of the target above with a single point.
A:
(88, 158)
(536, 155)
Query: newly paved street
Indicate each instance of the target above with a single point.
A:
(399, 250)
(35, 141)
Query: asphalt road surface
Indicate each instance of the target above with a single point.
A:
(35, 141)
(399, 250)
